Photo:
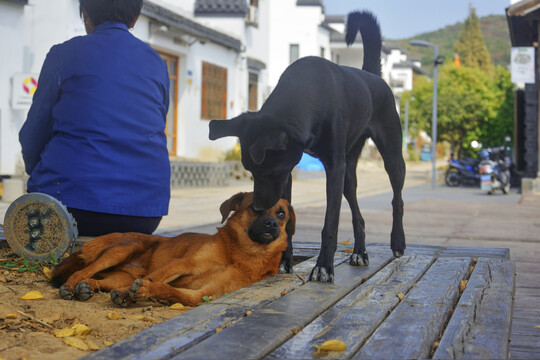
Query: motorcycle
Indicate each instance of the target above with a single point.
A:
(495, 171)
(463, 171)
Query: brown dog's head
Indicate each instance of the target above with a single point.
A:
(263, 227)
(268, 152)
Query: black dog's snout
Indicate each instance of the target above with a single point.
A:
(271, 224)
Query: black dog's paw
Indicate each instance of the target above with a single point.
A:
(321, 274)
(83, 291)
(359, 259)
(398, 253)
(285, 267)
(66, 292)
(120, 298)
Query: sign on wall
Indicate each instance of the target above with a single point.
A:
(22, 90)
(522, 65)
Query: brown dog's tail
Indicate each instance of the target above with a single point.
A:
(66, 268)
(367, 24)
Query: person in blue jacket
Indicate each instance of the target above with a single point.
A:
(95, 136)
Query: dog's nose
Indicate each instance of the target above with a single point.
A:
(271, 224)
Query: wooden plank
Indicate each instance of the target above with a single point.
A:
(355, 317)
(524, 352)
(175, 335)
(461, 251)
(480, 325)
(410, 330)
(257, 335)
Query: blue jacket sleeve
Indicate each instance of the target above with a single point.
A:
(37, 129)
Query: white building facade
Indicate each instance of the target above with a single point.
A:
(224, 58)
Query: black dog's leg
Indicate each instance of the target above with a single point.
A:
(360, 255)
(394, 164)
(324, 270)
(285, 266)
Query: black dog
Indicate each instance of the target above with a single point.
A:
(328, 111)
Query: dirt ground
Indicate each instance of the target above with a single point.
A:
(28, 327)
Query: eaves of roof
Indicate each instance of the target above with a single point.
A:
(221, 7)
(22, 2)
(521, 18)
(255, 64)
(337, 37)
(189, 26)
(310, 3)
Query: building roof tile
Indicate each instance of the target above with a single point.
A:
(220, 7)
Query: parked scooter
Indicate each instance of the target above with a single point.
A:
(495, 171)
(464, 171)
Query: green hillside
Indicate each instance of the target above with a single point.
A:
(494, 29)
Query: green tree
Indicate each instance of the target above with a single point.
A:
(472, 105)
(470, 47)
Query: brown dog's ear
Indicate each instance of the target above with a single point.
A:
(230, 205)
(274, 140)
(290, 228)
(223, 128)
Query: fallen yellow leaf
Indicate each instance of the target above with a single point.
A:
(462, 285)
(33, 295)
(91, 345)
(76, 343)
(332, 345)
(348, 242)
(48, 272)
(348, 251)
(537, 326)
(11, 316)
(64, 332)
(81, 330)
(113, 315)
(401, 296)
(138, 317)
(177, 306)
(107, 342)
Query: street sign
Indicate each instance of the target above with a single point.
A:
(522, 65)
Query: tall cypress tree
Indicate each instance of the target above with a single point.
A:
(471, 47)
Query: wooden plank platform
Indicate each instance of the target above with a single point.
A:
(411, 307)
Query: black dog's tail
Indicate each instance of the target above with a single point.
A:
(366, 23)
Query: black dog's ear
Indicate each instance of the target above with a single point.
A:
(290, 228)
(223, 128)
(274, 140)
(230, 205)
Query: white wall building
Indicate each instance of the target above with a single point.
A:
(224, 57)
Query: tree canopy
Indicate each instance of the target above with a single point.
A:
(475, 99)
(471, 47)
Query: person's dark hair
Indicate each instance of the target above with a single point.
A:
(100, 11)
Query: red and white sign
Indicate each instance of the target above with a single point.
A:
(23, 88)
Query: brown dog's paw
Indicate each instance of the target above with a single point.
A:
(138, 290)
(121, 298)
(66, 292)
(83, 291)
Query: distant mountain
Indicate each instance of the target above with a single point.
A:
(494, 29)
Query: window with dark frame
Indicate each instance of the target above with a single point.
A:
(252, 91)
(214, 92)
(294, 53)
(171, 121)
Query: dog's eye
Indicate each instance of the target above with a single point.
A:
(280, 215)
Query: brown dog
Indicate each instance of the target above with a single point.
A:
(185, 268)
